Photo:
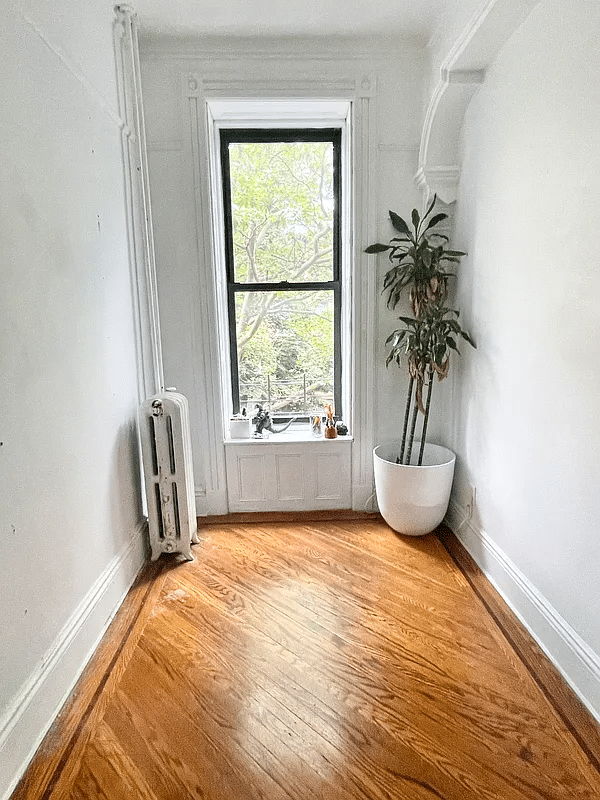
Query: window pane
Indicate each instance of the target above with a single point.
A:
(285, 350)
(282, 211)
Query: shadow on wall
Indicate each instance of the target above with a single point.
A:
(126, 499)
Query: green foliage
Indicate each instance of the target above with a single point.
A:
(282, 214)
(420, 261)
(282, 200)
(426, 343)
(419, 257)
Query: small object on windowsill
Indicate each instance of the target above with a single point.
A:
(317, 427)
(341, 428)
(264, 423)
(330, 429)
(239, 426)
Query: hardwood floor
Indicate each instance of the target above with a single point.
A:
(326, 660)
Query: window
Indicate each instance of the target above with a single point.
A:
(282, 206)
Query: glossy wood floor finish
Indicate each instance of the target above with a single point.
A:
(317, 661)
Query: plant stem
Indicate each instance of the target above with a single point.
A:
(426, 418)
(406, 416)
(413, 425)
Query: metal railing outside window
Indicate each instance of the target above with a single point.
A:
(290, 397)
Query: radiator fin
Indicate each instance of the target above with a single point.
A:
(158, 509)
(152, 440)
(171, 444)
(176, 509)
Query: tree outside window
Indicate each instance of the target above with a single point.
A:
(282, 202)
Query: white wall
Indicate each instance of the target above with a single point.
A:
(453, 18)
(70, 511)
(395, 70)
(526, 429)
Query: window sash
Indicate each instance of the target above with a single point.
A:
(247, 135)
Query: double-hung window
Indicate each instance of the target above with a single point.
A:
(282, 208)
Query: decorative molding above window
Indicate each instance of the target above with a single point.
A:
(331, 89)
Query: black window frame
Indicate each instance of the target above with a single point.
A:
(229, 136)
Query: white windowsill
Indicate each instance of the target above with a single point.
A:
(289, 437)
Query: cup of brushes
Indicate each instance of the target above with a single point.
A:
(330, 429)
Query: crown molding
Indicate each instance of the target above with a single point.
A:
(462, 72)
(233, 48)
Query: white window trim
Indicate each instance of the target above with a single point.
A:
(203, 81)
(269, 113)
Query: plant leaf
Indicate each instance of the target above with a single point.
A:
(399, 224)
(415, 218)
(435, 220)
(431, 205)
(377, 248)
(468, 339)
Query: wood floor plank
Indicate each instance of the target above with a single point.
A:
(252, 689)
(225, 759)
(571, 710)
(375, 600)
(476, 725)
(333, 712)
(387, 658)
(322, 660)
(108, 765)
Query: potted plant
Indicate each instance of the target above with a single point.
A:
(413, 483)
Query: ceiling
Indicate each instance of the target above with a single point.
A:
(414, 18)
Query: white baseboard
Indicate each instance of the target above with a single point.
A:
(572, 656)
(30, 715)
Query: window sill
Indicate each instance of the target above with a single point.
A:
(289, 437)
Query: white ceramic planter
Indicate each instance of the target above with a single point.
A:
(413, 500)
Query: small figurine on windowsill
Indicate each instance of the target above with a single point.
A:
(264, 424)
(330, 429)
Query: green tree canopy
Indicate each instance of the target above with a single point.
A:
(282, 216)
